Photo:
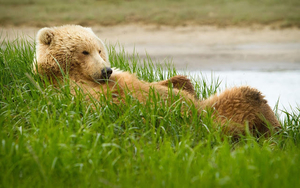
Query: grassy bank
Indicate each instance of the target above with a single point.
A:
(50, 138)
(166, 12)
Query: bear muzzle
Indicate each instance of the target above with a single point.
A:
(106, 73)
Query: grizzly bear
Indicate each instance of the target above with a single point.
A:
(77, 52)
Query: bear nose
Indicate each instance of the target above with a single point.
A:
(106, 72)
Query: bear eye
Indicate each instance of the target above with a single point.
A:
(99, 51)
(85, 52)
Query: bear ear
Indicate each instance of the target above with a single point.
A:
(45, 36)
(89, 29)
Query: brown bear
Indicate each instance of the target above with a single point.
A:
(76, 51)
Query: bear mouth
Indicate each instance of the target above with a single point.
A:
(104, 78)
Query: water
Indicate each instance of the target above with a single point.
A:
(278, 85)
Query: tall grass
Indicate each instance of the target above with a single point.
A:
(50, 138)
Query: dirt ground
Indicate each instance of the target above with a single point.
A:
(202, 47)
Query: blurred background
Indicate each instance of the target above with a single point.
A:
(253, 42)
(279, 13)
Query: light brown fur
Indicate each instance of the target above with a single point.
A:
(238, 106)
(63, 49)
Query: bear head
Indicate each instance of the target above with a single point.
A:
(73, 50)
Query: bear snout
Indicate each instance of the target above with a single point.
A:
(106, 73)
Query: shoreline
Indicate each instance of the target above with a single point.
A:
(200, 47)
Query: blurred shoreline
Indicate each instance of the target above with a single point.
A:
(199, 47)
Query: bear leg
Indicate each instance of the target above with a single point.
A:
(180, 82)
(239, 107)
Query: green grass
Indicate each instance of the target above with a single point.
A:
(162, 12)
(50, 138)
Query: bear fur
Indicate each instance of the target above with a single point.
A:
(77, 52)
